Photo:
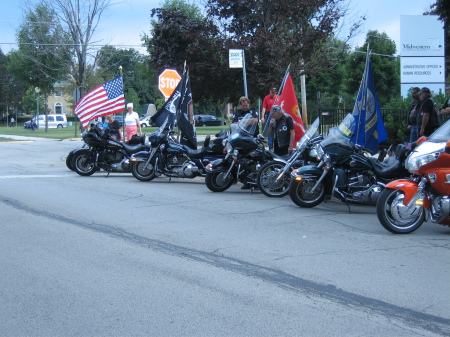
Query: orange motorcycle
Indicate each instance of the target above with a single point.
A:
(405, 204)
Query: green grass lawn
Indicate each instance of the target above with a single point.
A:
(74, 131)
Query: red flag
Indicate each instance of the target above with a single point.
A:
(288, 102)
(106, 99)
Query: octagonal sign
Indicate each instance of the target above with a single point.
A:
(168, 81)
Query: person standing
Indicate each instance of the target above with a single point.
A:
(282, 130)
(412, 117)
(267, 104)
(427, 119)
(131, 122)
(114, 127)
(244, 102)
(445, 109)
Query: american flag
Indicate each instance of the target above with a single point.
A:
(103, 100)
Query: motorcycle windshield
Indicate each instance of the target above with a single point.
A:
(246, 126)
(442, 134)
(342, 133)
(154, 138)
(309, 134)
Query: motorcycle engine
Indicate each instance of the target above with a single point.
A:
(362, 189)
(440, 209)
(173, 161)
(110, 156)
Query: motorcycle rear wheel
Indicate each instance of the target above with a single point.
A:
(141, 173)
(301, 195)
(267, 180)
(395, 216)
(82, 164)
(215, 183)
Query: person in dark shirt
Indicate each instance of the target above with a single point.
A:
(426, 119)
(445, 109)
(114, 127)
(244, 102)
(282, 130)
(412, 117)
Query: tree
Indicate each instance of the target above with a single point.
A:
(43, 57)
(275, 34)
(181, 34)
(137, 73)
(386, 67)
(81, 18)
(442, 9)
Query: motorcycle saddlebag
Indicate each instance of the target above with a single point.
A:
(136, 139)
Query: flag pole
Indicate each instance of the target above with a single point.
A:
(123, 119)
(180, 102)
(363, 91)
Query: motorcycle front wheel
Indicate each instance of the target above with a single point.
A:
(267, 180)
(301, 194)
(396, 217)
(142, 173)
(82, 164)
(215, 182)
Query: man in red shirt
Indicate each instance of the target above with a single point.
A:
(267, 104)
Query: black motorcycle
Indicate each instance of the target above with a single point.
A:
(244, 156)
(274, 177)
(103, 152)
(170, 158)
(345, 171)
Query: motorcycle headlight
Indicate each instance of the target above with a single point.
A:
(413, 163)
(313, 153)
(319, 150)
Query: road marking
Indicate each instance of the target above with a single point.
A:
(35, 176)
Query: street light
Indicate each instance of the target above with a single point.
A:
(36, 89)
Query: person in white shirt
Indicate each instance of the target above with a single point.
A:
(132, 122)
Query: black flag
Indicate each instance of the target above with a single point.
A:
(188, 135)
(169, 109)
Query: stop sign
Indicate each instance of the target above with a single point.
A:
(168, 81)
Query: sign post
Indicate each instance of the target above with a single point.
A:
(168, 81)
(237, 60)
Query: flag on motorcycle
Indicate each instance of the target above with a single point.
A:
(105, 99)
(288, 102)
(370, 128)
(169, 109)
(186, 108)
(178, 107)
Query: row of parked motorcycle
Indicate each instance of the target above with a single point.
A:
(408, 185)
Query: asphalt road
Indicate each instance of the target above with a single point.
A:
(97, 256)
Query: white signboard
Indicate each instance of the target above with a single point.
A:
(236, 58)
(421, 35)
(422, 62)
(422, 69)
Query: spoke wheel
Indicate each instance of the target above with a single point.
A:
(82, 164)
(141, 173)
(301, 194)
(268, 183)
(215, 182)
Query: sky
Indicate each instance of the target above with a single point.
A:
(123, 24)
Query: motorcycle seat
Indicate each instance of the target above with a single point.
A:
(199, 153)
(389, 168)
(130, 149)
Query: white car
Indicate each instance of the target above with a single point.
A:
(145, 121)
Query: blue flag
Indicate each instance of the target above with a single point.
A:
(370, 128)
